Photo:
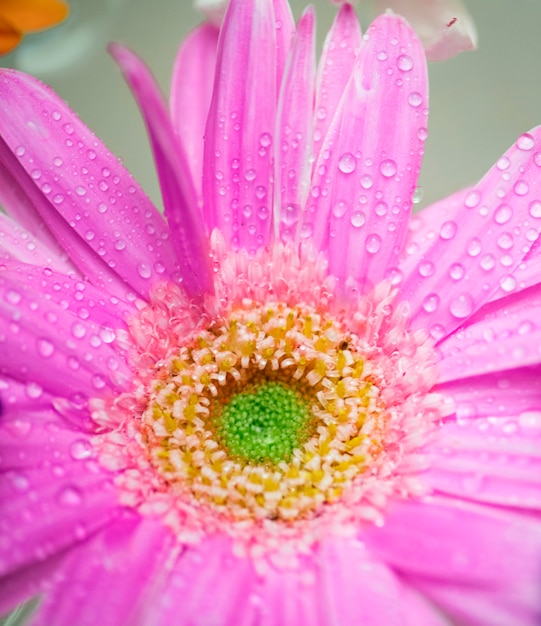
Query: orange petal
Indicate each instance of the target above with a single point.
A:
(9, 36)
(29, 15)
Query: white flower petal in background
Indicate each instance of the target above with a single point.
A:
(213, 9)
(444, 26)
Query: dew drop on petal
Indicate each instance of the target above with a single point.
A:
(81, 449)
(70, 496)
(339, 209)
(33, 390)
(404, 63)
(508, 283)
(525, 142)
(45, 348)
(358, 219)
(472, 199)
(387, 168)
(415, 99)
(347, 163)
(417, 195)
(488, 262)
(373, 243)
(474, 247)
(426, 269)
(503, 214)
(461, 306)
(457, 271)
(448, 230)
(431, 303)
(144, 270)
(535, 209)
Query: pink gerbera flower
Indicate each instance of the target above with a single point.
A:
(289, 403)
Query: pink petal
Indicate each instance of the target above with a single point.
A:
(90, 203)
(496, 460)
(295, 112)
(511, 392)
(216, 588)
(179, 196)
(18, 204)
(492, 558)
(108, 579)
(354, 588)
(503, 335)
(444, 26)
(191, 93)
(45, 343)
(364, 179)
(237, 172)
(335, 67)
(17, 244)
(478, 252)
(55, 502)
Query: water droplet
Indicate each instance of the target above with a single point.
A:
(291, 214)
(120, 244)
(487, 262)
(503, 214)
(98, 382)
(12, 296)
(431, 303)
(307, 230)
(422, 133)
(461, 306)
(472, 199)
(388, 168)
(20, 151)
(373, 243)
(107, 335)
(56, 115)
(45, 348)
(347, 163)
(339, 209)
(525, 142)
(417, 195)
(457, 271)
(68, 128)
(70, 496)
(508, 283)
(448, 230)
(535, 209)
(382, 56)
(521, 188)
(250, 174)
(260, 192)
(144, 270)
(404, 63)
(426, 269)
(381, 209)
(367, 181)
(265, 140)
(474, 247)
(81, 449)
(33, 390)
(358, 219)
(505, 241)
(415, 99)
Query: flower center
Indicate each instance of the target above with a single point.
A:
(265, 423)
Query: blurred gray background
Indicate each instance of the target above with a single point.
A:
(480, 101)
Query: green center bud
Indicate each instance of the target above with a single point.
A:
(264, 423)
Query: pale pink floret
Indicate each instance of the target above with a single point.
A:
(89, 248)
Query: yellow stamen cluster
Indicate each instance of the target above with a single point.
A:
(298, 348)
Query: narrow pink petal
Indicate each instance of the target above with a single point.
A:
(216, 588)
(336, 64)
(29, 582)
(192, 83)
(478, 550)
(16, 202)
(285, 31)
(45, 343)
(237, 172)
(295, 113)
(53, 505)
(503, 335)
(495, 460)
(364, 179)
(17, 244)
(353, 587)
(479, 250)
(425, 226)
(444, 26)
(511, 392)
(179, 196)
(108, 579)
(88, 200)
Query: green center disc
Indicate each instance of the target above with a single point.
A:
(265, 423)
